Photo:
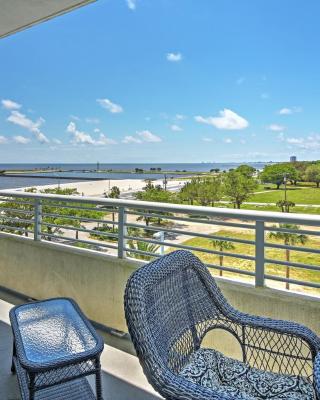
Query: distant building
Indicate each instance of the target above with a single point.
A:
(293, 159)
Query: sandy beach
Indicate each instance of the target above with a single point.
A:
(100, 188)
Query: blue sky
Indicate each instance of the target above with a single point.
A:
(164, 81)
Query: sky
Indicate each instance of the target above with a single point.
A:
(164, 81)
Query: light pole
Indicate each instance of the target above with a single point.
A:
(285, 187)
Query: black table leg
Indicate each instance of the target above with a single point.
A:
(98, 380)
(13, 368)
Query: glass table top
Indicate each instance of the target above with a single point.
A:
(52, 330)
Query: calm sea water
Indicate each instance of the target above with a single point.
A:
(81, 171)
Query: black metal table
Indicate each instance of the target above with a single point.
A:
(55, 347)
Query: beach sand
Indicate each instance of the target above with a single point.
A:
(100, 188)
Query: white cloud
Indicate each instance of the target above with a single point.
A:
(3, 140)
(289, 111)
(96, 130)
(180, 117)
(243, 141)
(131, 4)
(131, 139)
(10, 105)
(108, 105)
(148, 136)
(21, 139)
(176, 128)
(20, 119)
(276, 128)
(228, 140)
(228, 120)
(57, 141)
(92, 120)
(80, 137)
(311, 142)
(207, 139)
(174, 57)
(104, 140)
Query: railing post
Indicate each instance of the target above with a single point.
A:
(122, 231)
(37, 219)
(259, 273)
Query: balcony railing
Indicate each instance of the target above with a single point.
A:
(72, 220)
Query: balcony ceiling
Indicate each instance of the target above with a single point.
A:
(16, 15)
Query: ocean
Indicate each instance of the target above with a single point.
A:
(79, 171)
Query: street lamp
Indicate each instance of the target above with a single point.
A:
(285, 187)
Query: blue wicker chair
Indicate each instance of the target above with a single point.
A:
(171, 304)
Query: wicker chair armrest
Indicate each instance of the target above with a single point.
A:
(316, 375)
(288, 328)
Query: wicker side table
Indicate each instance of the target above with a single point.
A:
(55, 348)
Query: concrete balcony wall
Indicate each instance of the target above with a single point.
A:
(96, 281)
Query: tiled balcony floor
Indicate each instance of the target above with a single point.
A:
(122, 376)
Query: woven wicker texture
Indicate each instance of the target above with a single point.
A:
(172, 302)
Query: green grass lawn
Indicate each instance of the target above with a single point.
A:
(276, 254)
(296, 194)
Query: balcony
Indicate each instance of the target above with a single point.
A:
(66, 260)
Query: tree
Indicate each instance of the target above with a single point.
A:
(189, 192)
(312, 174)
(238, 187)
(142, 246)
(205, 190)
(222, 245)
(285, 205)
(288, 239)
(246, 170)
(114, 194)
(154, 194)
(277, 172)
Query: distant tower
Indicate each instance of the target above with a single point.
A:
(293, 159)
(98, 166)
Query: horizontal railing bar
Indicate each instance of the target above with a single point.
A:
(187, 233)
(17, 210)
(287, 230)
(18, 220)
(147, 253)
(74, 228)
(294, 248)
(252, 215)
(24, 203)
(15, 228)
(82, 219)
(59, 205)
(292, 264)
(66, 238)
(191, 248)
(230, 269)
(199, 221)
(293, 281)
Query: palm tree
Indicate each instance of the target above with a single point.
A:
(114, 194)
(288, 239)
(222, 245)
(142, 246)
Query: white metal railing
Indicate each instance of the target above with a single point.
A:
(47, 217)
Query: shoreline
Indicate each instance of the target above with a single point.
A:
(99, 188)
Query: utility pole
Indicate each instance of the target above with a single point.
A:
(285, 187)
(165, 181)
